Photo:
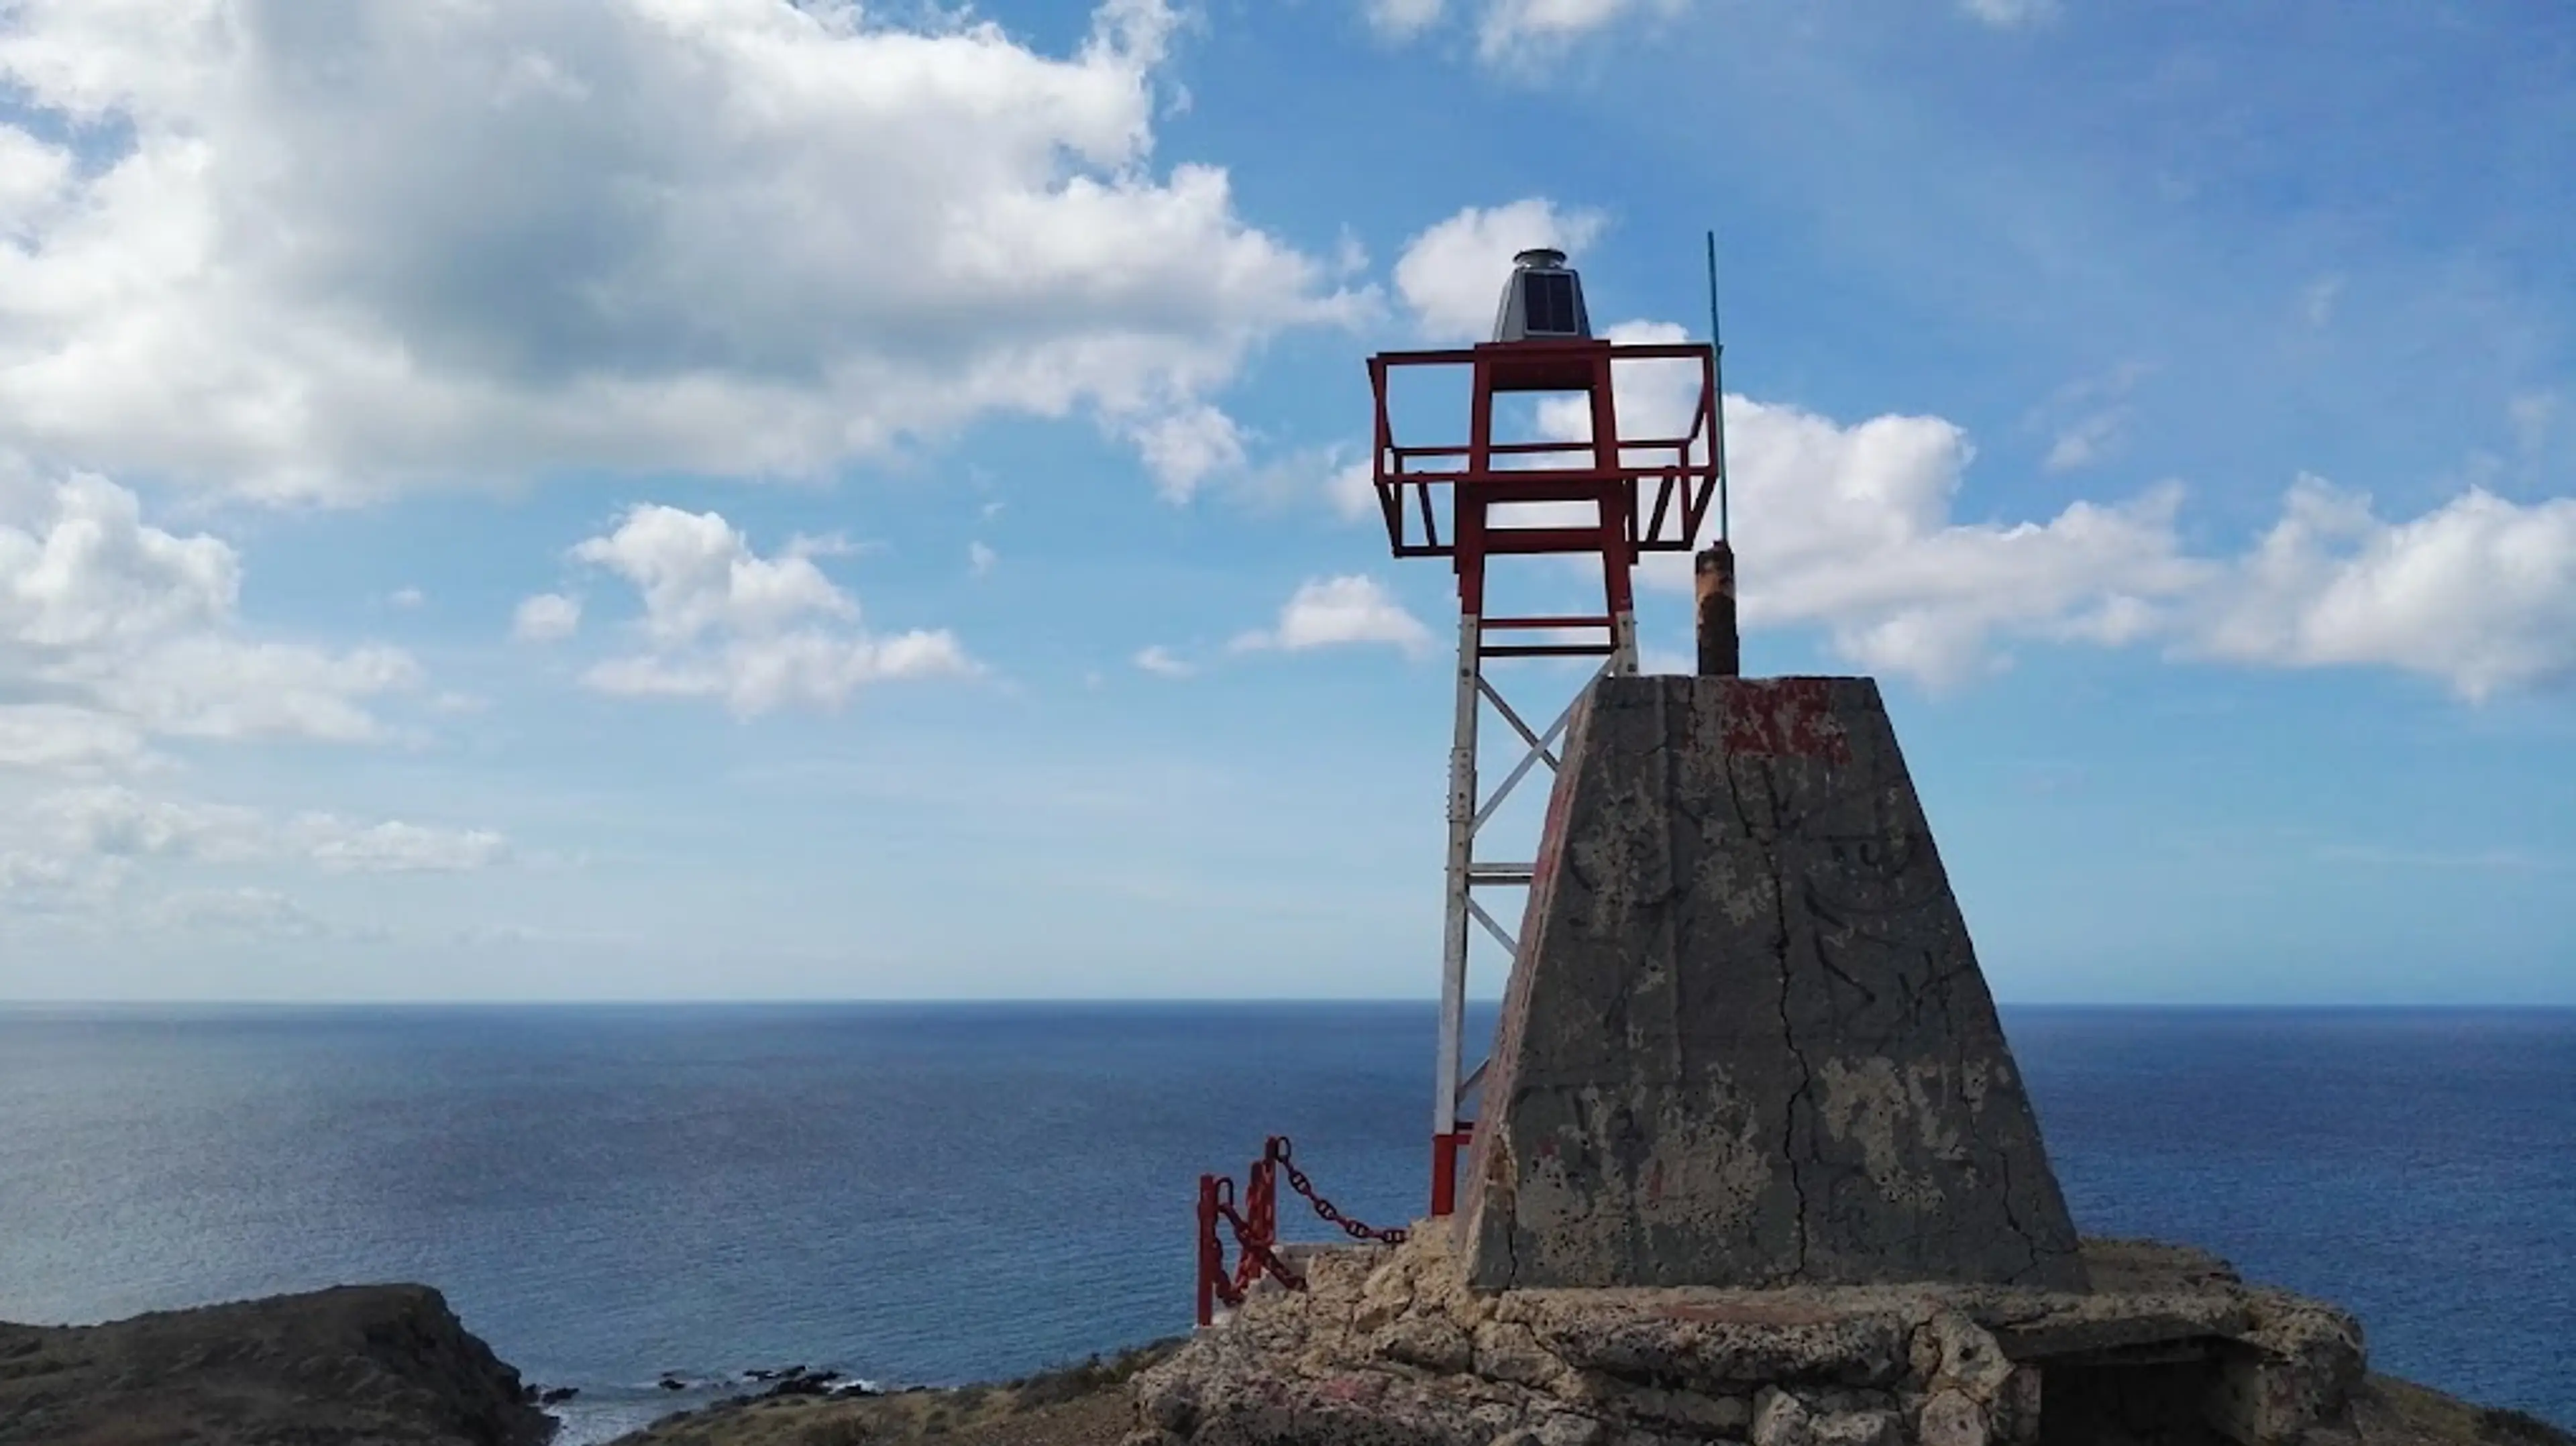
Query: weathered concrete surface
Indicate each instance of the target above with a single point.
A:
(1389, 1347)
(1748, 1043)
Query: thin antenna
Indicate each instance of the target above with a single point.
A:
(1717, 381)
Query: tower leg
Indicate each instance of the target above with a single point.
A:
(1453, 940)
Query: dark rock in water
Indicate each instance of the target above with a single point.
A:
(817, 1384)
(558, 1395)
(673, 1383)
(388, 1365)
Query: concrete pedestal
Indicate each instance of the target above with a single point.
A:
(1747, 1043)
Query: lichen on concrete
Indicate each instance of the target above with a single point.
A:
(1747, 1041)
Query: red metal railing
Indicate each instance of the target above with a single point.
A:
(1414, 481)
(1255, 1227)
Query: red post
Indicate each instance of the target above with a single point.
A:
(1261, 1196)
(1444, 1170)
(1211, 1251)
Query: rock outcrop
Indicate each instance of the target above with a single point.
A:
(1389, 1348)
(386, 1365)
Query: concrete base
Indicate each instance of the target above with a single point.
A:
(1386, 1348)
(1748, 1043)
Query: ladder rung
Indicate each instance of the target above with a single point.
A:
(1550, 650)
(1598, 620)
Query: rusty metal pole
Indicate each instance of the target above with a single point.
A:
(1713, 572)
(1211, 1251)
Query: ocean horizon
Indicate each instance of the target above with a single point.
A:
(932, 1193)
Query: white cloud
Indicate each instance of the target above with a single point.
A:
(103, 614)
(344, 249)
(242, 913)
(2318, 298)
(34, 883)
(407, 598)
(1513, 27)
(2010, 14)
(394, 847)
(61, 738)
(2089, 416)
(1451, 275)
(980, 559)
(2479, 593)
(1511, 31)
(1331, 612)
(2084, 442)
(117, 822)
(119, 826)
(1184, 448)
(545, 618)
(722, 621)
(1352, 489)
(1852, 529)
(1403, 19)
(1350, 255)
(1160, 661)
(828, 544)
(2532, 414)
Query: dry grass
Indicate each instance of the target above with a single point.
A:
(1084, 1404)
(2401, 1411)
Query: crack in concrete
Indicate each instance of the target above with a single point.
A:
(1801, 1097)
(2002, 1158)
(1662, 914)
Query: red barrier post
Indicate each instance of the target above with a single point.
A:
(1261, 1196)
(1444, 1169)
(1211, 1251)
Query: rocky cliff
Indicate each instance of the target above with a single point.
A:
(392, 1365)
(388, 1365)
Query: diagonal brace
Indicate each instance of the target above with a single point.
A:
(1510, 945)
(1539, 745)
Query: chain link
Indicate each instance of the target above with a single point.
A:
(1256, 1239)
(1297, 1181)
(1255, 1258)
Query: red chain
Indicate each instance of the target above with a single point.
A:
(1255, 1259)
(1255, 1238)
(1297, 1181)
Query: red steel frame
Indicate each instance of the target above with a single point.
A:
(1611, 472)
(1615, 475)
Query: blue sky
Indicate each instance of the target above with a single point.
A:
(711, 498)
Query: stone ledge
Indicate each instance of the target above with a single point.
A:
(1388, 1347)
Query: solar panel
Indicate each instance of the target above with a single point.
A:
(1548, 301)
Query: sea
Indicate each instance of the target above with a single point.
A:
(918, 1194)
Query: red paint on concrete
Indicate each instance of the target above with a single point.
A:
(1784, 718)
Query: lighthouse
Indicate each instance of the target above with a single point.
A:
(1600, 502)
